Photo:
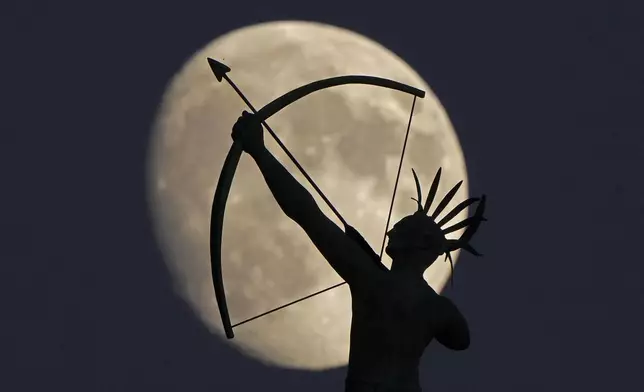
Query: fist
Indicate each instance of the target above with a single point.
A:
(249, 133)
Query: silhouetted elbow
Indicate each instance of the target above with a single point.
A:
(455, 338)
(456, 334)
(300, 209)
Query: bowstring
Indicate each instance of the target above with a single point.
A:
(393, 198)
(402, 156)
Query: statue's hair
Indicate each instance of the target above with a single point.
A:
(472, 223)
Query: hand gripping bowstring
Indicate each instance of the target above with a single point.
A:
(232, 159)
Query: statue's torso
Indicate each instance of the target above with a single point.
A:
(390, 330)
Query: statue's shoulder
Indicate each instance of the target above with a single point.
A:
(434, 301)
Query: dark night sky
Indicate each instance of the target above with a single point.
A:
(546, 99)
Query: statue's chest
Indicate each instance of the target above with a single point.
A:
(400, 320)
(397, 305)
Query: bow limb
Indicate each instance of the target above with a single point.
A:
(216, 232)
(281, 102)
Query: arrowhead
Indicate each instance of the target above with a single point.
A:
(219, 69)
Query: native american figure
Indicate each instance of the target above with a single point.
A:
(395, 313)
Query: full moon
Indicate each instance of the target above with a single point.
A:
(348, 138)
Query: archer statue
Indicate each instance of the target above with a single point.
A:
(395, 313)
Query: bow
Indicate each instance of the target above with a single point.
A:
(232, 159)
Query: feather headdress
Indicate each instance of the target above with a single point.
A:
(472, 223)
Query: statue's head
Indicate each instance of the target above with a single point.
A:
(414, 234)
(418, 238)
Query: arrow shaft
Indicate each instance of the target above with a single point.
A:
(286, 151)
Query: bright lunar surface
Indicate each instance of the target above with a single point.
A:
(348, 138)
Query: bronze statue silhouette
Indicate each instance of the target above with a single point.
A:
(395, 313)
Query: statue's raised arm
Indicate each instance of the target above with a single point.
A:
(347, 257)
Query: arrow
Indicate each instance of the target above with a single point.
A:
(219, 69)
(232, 159)
(221, 72)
